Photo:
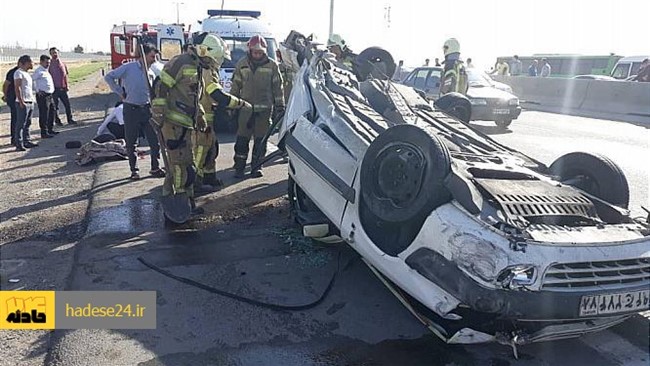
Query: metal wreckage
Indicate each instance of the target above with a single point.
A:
(479, 241)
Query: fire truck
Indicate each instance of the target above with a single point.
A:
(168, 38)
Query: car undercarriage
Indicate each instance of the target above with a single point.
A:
(479, 241)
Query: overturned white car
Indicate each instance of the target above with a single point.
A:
(479, 241)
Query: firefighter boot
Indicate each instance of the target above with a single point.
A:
(241, 154)
(258, 154)
(196, 210)
(200, 186)
(210, 179)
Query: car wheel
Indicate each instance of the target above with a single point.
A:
(402, 174)
(503, 124)
(375, 62)
(455, 105)
(594, 174)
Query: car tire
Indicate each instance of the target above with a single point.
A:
(455, 105)
(375, 62)
(503, 124)
(594, 174)
(402, 174)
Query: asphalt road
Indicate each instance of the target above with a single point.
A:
(257, 253)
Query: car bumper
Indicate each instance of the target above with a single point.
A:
(507, 304)
(495, 113)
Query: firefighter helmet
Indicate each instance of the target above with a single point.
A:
(256, 42)
(336, 40)
(214, 47)
(451, 46)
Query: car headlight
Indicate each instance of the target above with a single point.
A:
(513, 101)
(478, 101)
(515, 277)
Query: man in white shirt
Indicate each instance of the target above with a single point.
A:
(113, 124)
(44, 88)
(24, 103)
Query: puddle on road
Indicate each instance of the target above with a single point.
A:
(132, 216)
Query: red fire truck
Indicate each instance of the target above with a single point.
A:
(168, 38)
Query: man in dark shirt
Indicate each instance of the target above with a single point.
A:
(10, 98)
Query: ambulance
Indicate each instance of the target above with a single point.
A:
(236, 27)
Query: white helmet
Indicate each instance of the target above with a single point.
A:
(336, 40)
(214, 47)
(451, 46)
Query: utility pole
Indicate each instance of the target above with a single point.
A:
(178, 21)
(331, 18)
(387, 15)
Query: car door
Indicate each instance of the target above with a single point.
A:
(432, 84)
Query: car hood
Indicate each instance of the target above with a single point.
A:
(488, 93)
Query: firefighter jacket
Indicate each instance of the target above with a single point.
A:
(259, 83)
(454, 78)
(205, 117)
(179, 92)
(347, 59)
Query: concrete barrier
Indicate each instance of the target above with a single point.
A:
(572, 96)
(618, 97)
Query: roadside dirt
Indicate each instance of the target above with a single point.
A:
(44, 190)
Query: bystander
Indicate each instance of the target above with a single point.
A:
(23, 86)
(59, 72)
(44, 87)
(9, 97)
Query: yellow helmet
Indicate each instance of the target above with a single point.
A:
(336, 40)
(214, 47)
(451, 46)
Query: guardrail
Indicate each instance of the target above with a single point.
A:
(627, 100)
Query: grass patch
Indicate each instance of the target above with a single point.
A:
(79, 72)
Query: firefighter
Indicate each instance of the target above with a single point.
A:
(337, 46)
(257, 79)
(177, 109)
(454, 77)
(206, 146)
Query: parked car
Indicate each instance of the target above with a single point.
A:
(479, 241)
(490, 100)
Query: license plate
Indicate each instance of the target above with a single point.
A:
(624, 302)
(501, 111)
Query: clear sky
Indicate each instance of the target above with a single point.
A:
(417, 29)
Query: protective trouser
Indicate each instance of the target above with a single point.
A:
(205, 153)
(257, 125)
(178, 147)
